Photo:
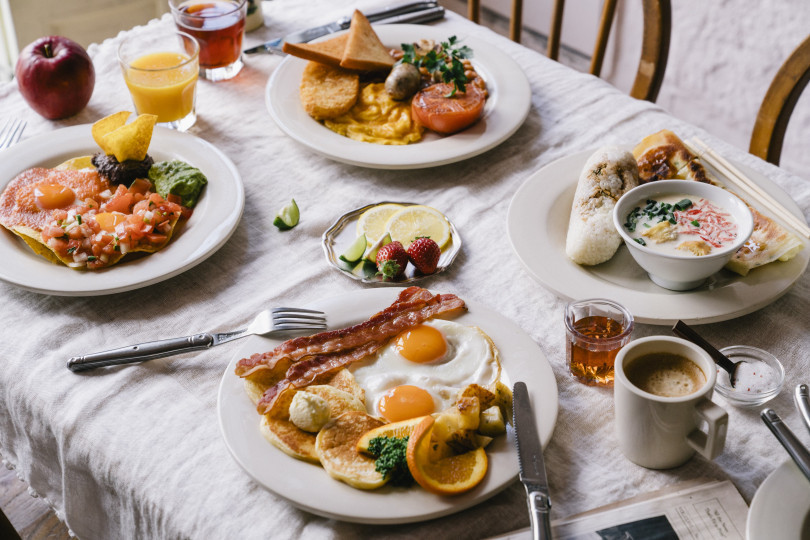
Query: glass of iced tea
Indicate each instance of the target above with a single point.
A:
(219, 26)
(162, 77)
(595, 331)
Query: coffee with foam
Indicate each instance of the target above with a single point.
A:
(665, 374)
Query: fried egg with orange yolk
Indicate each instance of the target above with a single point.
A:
(422, 370)
(29, 199)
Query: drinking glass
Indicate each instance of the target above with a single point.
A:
(219, 26)
(162, 77)
(595, 331)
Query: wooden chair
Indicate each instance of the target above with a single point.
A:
(7, 530)
(780, 99)
(654, 48)
(654, 45)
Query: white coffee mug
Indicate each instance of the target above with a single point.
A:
(662, 432)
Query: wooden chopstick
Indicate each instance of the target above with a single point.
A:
(739, 179)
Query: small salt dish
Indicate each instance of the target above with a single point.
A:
(759, 378)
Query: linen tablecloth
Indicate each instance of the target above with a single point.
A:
(137, 453)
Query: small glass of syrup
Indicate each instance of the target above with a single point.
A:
(595, 331)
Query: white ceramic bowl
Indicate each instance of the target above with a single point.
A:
(674, 271)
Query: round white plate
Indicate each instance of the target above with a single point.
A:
(309, 487)
(215, 216)
(781, 505)
(506, 109)
(537, 224)
(340, 235)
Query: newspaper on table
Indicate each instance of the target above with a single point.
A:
(695, 510)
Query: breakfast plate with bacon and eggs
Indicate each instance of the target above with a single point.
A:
(453, 343)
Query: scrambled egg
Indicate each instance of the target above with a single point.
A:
(376, 118)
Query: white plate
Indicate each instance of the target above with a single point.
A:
(506, 109)
(537, 224)
(340, 235)
(215, 216)
(309, 487)
(781, 505)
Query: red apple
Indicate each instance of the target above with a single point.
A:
(55, 76)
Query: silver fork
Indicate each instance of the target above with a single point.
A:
(268, 321)
(11, 132)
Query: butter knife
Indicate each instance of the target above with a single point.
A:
(408, 12)
(532, 467)
(802, 397)
(788, 440)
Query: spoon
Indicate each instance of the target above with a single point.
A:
(683, 330)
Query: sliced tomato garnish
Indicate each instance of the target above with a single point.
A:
(448, 115)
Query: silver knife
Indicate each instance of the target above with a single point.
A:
(530, 458)
(802, 397)
(408, 12)
(786, 437)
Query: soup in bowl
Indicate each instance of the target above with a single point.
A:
(682, 232)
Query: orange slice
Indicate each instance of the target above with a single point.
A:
(395, 429)
(444, 476)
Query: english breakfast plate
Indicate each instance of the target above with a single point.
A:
(309, 487)
(506, 109)
(342, 233)
(781, 504)
(215, 216)
(537, 224)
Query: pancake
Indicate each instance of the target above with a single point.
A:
(289, 439)
(336, 446)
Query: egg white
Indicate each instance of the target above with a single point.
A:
(471, 358)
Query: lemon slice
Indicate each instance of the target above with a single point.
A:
(372, 221)
(414, 221)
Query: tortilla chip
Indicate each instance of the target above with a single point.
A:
(106, 125)
(130, 141)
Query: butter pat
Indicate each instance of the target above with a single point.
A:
(309, 412)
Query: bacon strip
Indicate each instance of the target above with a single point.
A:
(314, 370)
(413, 306)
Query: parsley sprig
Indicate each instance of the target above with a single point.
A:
(444, 61)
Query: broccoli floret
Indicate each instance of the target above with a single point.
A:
(391, 459)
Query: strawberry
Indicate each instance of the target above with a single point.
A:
(391, 261)
(424, 253)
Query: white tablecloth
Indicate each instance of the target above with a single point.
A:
(137, 453)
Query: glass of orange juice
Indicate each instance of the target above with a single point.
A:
(162, 77)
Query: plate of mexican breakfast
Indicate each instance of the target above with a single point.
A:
(70, 225)
(505, 108)
(381, 384)
(539, 227)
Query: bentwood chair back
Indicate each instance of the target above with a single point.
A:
(654, 45)
(780, 99)
(654, 48)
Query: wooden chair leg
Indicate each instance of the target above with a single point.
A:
(7, 530)
(556, 29)
(474, 10)
(516, 20)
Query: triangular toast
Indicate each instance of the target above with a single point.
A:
(329, 52)
(364, 50)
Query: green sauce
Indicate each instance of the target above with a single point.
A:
(178, 178)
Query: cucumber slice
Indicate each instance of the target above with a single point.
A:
(287, 217)
(355, 251)
(371, 254)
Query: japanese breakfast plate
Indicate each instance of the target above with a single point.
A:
(215, 216)
(781, 506)
(506, 109)
(537, 225)
(307, 485)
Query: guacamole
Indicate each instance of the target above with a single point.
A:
(178, 178)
